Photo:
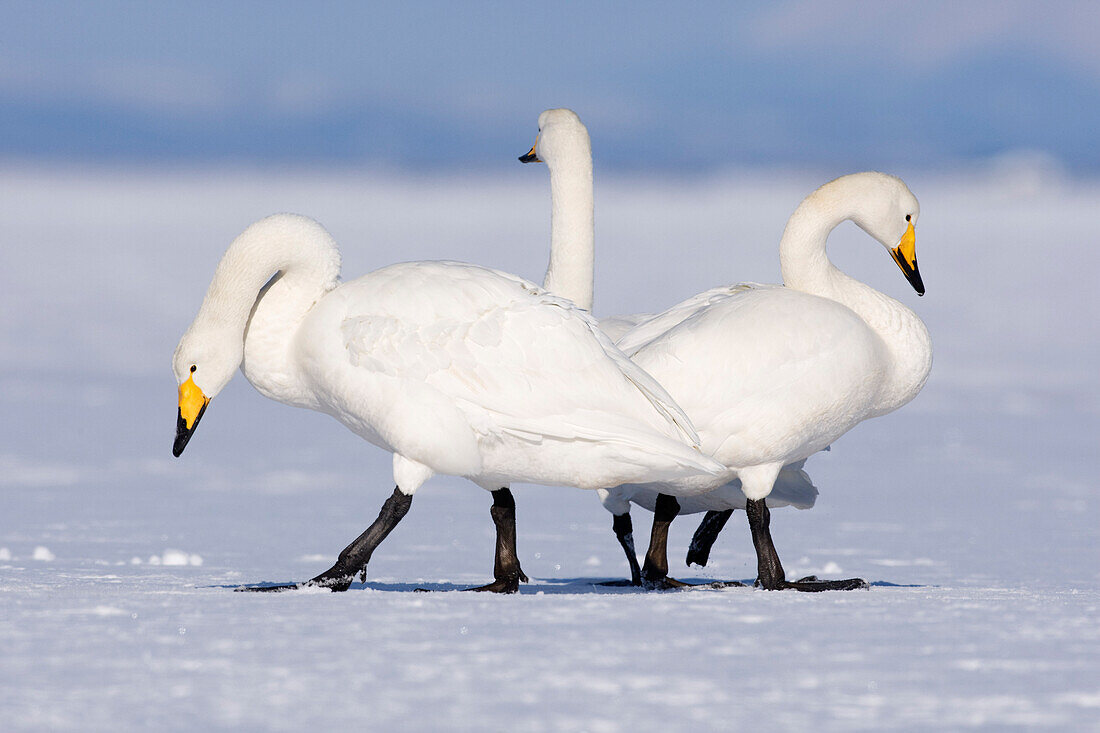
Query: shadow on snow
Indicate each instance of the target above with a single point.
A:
(548, 586)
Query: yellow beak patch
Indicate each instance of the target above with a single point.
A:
(192, 402)
(907, 248)
(905, 254)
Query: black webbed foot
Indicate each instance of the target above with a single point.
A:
(502, 585)
(667, 583)
(354, 558)
(812, 584)
(770, 575)
(507, 572)
(266, 588)
(663, 583)
(333, 580)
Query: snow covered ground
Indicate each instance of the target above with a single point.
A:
(973, 510)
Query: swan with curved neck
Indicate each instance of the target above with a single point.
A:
(453, 368)
(771, 374)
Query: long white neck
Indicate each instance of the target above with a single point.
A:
(806, 267)
(298, 261)
(572, 230)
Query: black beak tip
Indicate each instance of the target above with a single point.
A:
(917, 283)
(528, 158)
(182, 436)
(912, 274)
(183, 433)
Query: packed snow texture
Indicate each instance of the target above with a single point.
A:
(973, 510)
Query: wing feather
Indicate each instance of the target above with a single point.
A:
(513, 359)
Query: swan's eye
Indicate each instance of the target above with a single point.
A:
(193, 368)
(909, 217)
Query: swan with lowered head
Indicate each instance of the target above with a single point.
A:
(771, 374)
(563, 144)
(454, 368)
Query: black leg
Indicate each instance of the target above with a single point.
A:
(654, 574)
(770, 575)
(506, 569)
(769, 570)
(655, 569)
(354, 558)
(624, 531)
(705, 535)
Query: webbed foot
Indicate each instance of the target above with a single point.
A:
(812, 584)
(336, 582)
(667, 583)
(508, 584)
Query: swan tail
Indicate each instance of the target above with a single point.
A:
(793, 487)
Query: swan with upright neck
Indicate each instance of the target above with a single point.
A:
(771, 374)
(563, 144)
(454, 368)
(731, 348)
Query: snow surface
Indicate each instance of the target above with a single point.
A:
(973, 510)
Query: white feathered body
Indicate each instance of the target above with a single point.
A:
(467, 371)
(782, 373)
(771, 375)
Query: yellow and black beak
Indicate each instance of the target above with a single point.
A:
(531, 156)
(192, 405)
(905, 254)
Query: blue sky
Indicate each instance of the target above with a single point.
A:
(661, 86)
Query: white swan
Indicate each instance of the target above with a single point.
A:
(454, 368)
(563, 144)
(771, 374)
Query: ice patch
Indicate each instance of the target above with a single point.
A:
(175, 558)
(5, 553)
(592, 562)
(43, 553)
(315, 557)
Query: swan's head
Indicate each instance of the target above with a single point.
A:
(205, 360)
(885, 208)
(561, 136)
